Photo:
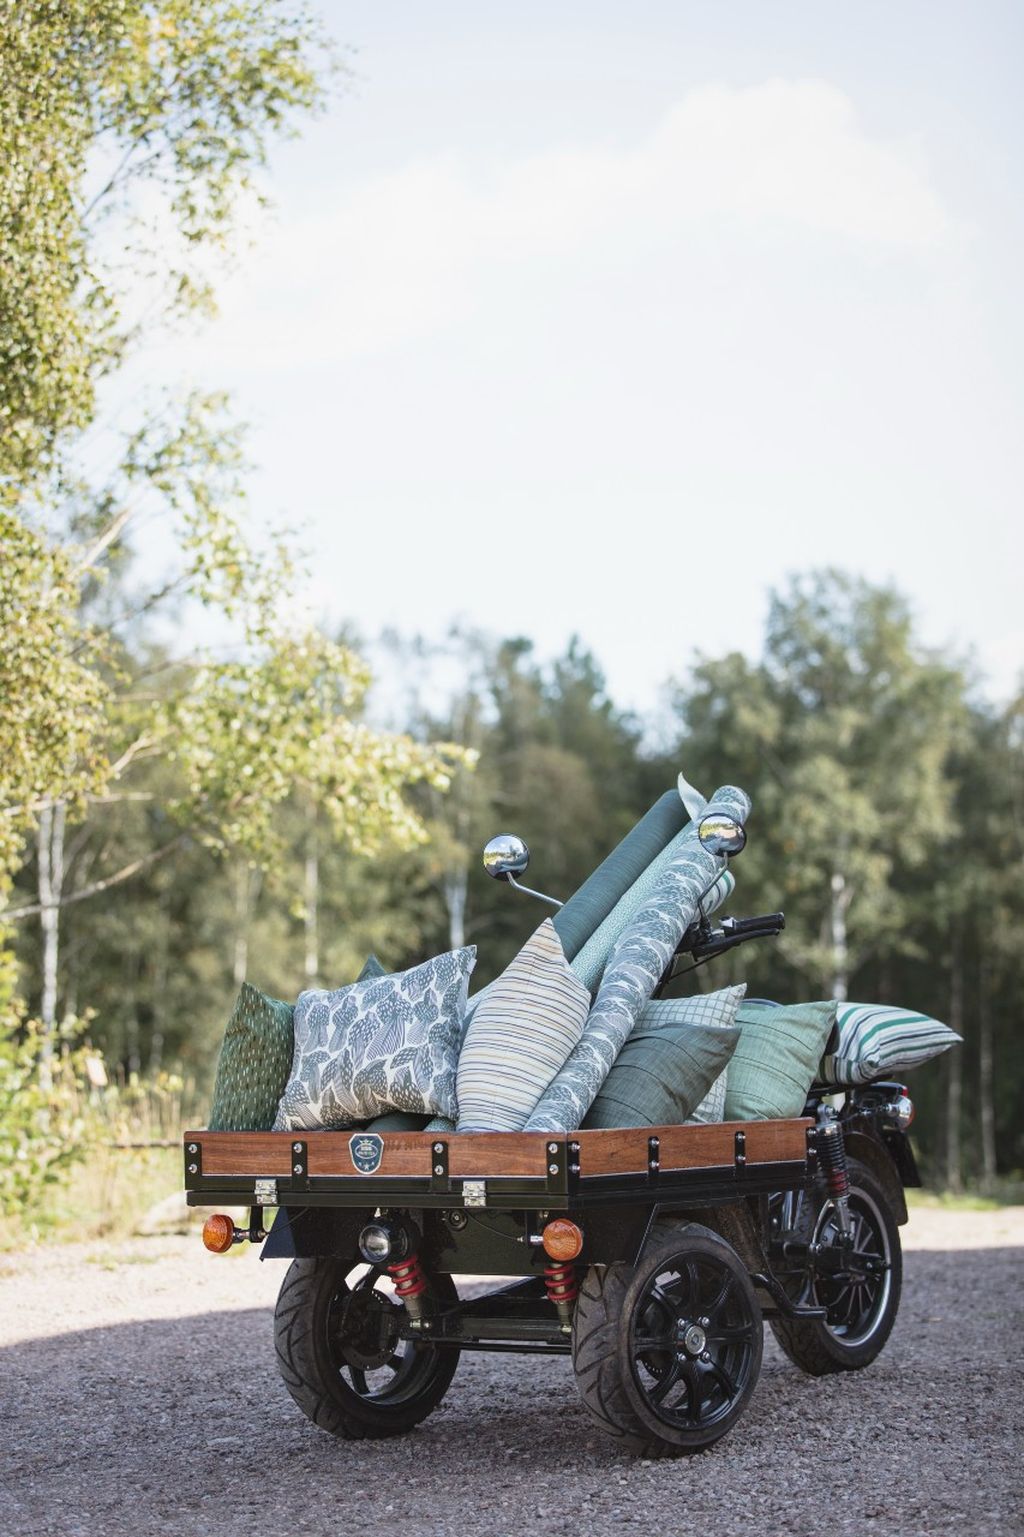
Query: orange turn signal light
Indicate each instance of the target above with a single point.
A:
(562, 1239)
(218, 1233)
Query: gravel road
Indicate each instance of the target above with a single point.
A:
(139, 1395)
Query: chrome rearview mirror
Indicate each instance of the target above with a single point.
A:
(507, 856)
(721, 834)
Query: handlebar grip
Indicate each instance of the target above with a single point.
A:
(767, 923)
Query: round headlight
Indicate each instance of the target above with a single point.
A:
(375, 1243)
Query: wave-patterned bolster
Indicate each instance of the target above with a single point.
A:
(634, 969)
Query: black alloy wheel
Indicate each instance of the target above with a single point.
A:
(668, 1360)
(338, 1333)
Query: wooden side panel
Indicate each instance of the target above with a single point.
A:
(690, 1147)
(497, 1154)
(406, 1154)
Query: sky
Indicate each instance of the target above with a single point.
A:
(604, 319)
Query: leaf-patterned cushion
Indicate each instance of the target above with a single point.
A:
(389, 1043)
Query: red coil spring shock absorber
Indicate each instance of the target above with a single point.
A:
(832, 1155)
(410, 1283)
(562, 1286)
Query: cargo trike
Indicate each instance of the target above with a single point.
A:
(650, 1256)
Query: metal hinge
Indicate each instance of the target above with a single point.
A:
(265, 1192)
(474, 1192)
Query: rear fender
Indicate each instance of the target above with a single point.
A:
(307, 1232)
(875, 1155)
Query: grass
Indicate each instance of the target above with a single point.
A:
(1008, 1191)
(107, 1196)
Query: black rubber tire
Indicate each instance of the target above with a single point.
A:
(822, 1347)
(612, 1302)
(321, 1381)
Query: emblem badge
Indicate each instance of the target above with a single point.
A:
(366, 1150)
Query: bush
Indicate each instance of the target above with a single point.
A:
(43, 1132)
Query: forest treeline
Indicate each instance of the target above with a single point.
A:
(886, 823)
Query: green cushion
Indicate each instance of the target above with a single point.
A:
(590, 905)
(776, 1059)
(398, 1120)
(255, 1060)
(665, 1069)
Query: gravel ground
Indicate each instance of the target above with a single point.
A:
(138, 1395)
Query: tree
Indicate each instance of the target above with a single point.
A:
(99, 98)
(844, 734)
(184, 101)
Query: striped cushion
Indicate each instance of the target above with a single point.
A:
(876, 1041)
(519, 1036)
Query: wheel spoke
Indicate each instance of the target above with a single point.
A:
(656, 1293)
(735, 1336)
(695, 1385)
(727, 1384)
(721, 1296)
(665, 1384)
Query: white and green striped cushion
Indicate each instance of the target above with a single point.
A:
(521, 1031)
(878, 1041)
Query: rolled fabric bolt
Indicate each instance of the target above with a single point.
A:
(635, 966)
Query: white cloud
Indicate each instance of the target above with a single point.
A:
(410, 253)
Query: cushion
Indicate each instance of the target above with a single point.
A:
(255, 1057)
(397, 1120)
(679, 1048)
(635, 967)
(590, 905)
(591, 960)
(877, 1041)
(520, 1035)
(776, 1060)
(387, 1043)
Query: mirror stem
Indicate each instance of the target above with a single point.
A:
(531, 893)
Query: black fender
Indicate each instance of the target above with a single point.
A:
(307, 1232)
(871, 1151)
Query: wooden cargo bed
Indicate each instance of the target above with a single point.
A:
(496, 1169)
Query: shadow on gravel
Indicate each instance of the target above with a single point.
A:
(182, 1426)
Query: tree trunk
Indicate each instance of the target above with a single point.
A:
(455, 885)
(242, 902)
(986, 1097)
(312, 901)
(161, 971)
(837, 924)
(50, 842)
(954, 1064)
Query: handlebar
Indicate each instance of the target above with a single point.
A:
(702, 942)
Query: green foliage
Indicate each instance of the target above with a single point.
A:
(52, 694)
(43, 1132)
(845, 733)
(179, 97)
(251, 734)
